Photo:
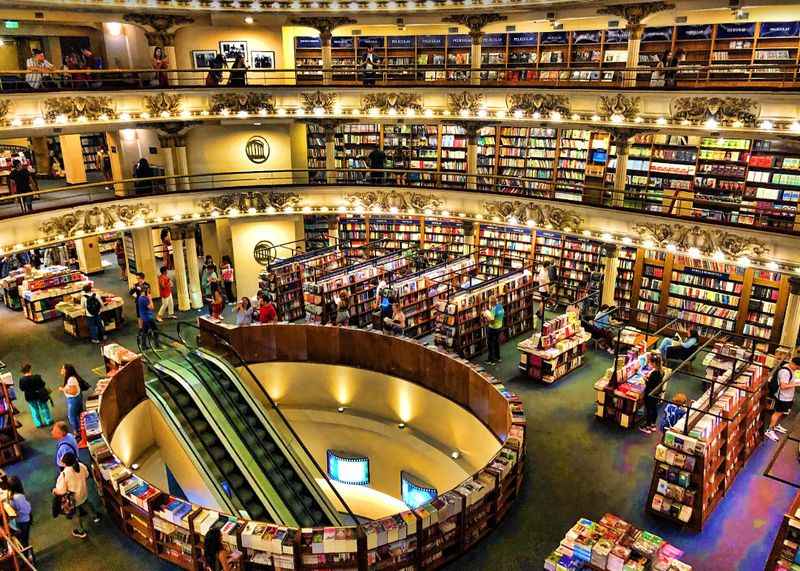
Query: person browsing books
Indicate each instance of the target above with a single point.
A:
(397, 322)
(674, 411)
(653, 381)
(65, 442)
(677, 347)
(493, 317)
(788, 377)
(73, 480)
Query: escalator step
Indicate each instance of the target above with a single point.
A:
(245, 494)
(218, 453)
(209, 439)
(236, 480)
(227, 466)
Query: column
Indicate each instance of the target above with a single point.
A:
(327, 57)
(791, 320)
(610, 267)
(623, 144)
(192, 267)
(145, 256)
(330, 152)
(160, 31)
(88, 250)
(475, 57)
(181, 164)
(169, 167)
(634, 43)
(72, 154)
(172, 62)
(472, 155)
(208, 233)
(178, 234)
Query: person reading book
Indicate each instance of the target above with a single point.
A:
(397, 322)
(678, 347)
(674, 411)
(600, 327)
(493, 317)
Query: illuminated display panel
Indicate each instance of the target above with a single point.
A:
(348, 468)
(415, 493)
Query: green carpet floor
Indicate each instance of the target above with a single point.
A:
(577, 466)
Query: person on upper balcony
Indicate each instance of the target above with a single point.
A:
(369, 62)
(39, 71)
(214, 76)
(238, 73)
(160, 62)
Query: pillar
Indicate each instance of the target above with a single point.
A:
(172, 63)
(791, 320)
(635, 32)
(182, 167)
(114, 146)
(145, 255)
(623, 145)
(472, 156)
(72, 153)
(224, 238)
(327, 59)
(181, 279)
(208, 233)
(88, 250)
(610, 267)
(193, 269)
(475, 57)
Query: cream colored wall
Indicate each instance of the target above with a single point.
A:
(8, 55)
(245, 234)
(221, 148)
(387, 399)
(389, 449)
(134, 434)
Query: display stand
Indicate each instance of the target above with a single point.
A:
(10, 438)
(45, 288)
(785, 550)
(698, 460)
(556, 351)
(75, 322)
(12, 555)
(613, 543)
(10, 286)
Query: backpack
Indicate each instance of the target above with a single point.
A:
(774, 383)
(84, 386)
(552, 274)
(93, 305)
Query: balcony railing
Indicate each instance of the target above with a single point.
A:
(669, 203)
(728, 76)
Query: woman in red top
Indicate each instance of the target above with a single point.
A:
(217, 304)
(267, 313)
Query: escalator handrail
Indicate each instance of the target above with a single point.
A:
(226, 343)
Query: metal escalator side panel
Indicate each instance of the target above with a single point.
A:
(218, 419)
(214, 486)
(297, 457)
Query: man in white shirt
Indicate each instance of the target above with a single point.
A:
(38, 70)
(788, 381)
(93, 307)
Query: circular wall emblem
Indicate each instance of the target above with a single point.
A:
(257, 149)
(264, 252)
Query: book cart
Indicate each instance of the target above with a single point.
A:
(698, 459)
(423, 537)
(556, 351)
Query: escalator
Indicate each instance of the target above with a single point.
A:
(265, 473)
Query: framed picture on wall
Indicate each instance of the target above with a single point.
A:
(262, 60)
(232, 49)
(201, 59)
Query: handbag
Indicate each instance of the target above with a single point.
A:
(68, 507)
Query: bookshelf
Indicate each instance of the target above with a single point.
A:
(556, 351)
(523, 56)
(696, 42)
(494, 57)
(10, 286)
(776, 43)
(586, 51)
(767, 294)
(655, 44)
(626, 272)
(527, 152)
(503, 249)
(284, 281)
(579, 259)
(732, 48)
(615, 52)
(10, 438)
(353, 236)
(672, 170)
(487, 159)
(431, 53)
(453, 154)
(785, 548)
(698, 460)
(459, 57)
(651, 285)
(354, 141)
(91, 143)
(573, 151)
(444, 237)
(424, 156)
(378, 44)
(308, 59)
(343, 58)
(315, 142)
(400, 58)
(317, 231)
(395, 234)
(458, 322)
(720, 177)
(772, 188)
(554, 54)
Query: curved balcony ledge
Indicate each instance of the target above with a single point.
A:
(270, 195)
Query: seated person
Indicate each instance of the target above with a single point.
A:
(397, 322)
(674, 411)
(600, 326)
(678, 348)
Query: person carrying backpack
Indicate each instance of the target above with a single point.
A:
(73, 490)
(93, 307)
(36, 395)
(782, 385)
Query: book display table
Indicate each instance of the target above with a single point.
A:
(45, 288)
(556, 351)
(75, 322)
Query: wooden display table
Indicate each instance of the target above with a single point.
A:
(75, 322)
(622, 401)
(557, 351)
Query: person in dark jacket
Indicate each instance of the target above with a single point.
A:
(143, 170)
(36, 395)
(238, 74)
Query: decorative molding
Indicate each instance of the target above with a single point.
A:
(159, 28)
(396, 100)
(318, 98)
(243, 201)
(393, 199)
(5, 105)
(475, 22)
(633, 14)
(325, 26)
(251, 102)
(621, 136)
(542, 103)
(546, 216)
(88, 220)
(161, 102)
(708, 241)
(91, 107)
(620, 104)
(724, 110)
(470, 100)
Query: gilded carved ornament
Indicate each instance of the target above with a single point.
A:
(385, 101)
(325, 26)
(243, 201)
(318, 99)
(545, 216)
(163, 102)
(393, 199)
(724, 110)
(91, 107)
(475, 22)
(542, 103)
(234, 102)
(469, 100)
(633, 14)
(94, 219)
(159, 28)
(706, 240)
(620, 105)
(5, 105)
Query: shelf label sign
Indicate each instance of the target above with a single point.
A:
(616, 36)
(694, 32)
(586, 37)
(430, 41)
(493, 40)
(520, 39)
(779, 30)
(459, 41)
(663, 34)
(401, 42)
(730, 31)
(370, 41)
(554, 38)
(308, 42)
(342, 42)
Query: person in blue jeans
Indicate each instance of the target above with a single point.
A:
(147, 316)
(65, 442)
(72, 391)
(36, 395)
(93, 307)
(679, 348)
